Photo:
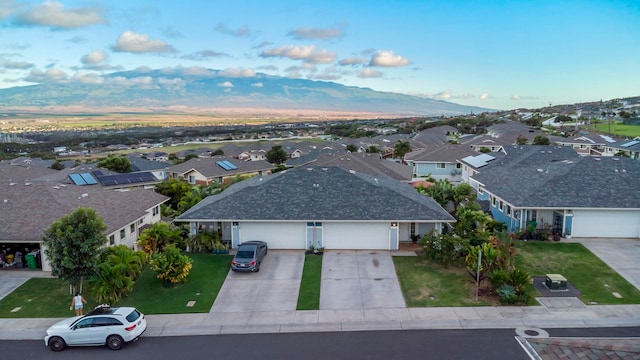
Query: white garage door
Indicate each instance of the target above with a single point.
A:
(277, 235)
(606, 224)
(356, 236)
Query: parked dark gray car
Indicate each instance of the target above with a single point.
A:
(249, 256)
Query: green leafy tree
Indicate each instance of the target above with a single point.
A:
(485, 150)
(401, 148)
(373, 149)
(175, 189)
(521, 140)
(170, 265)
(73, 245)
(189, 157)
(57, 165)
(442, 191)
(117, 273)
(217, 152)
(463, 193)
(276, 155)
(352, 148)
(158, 236)
(445, 249)
(541, 140)
(118, 164)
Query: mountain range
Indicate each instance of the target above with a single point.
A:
(164, 90)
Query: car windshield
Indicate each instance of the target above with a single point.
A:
(244, 254)
(133, 316)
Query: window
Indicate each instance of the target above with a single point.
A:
(112, 240)
(122, 234)
(458, 165)
(155, 211)
(493, 201)
(480, 191)
(133, 228)
(85, 323)
(508, 210)
(440, 165)
(534, 215)
(192, 179)
(500, 205)
(105, 321)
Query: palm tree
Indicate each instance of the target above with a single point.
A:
(401, 148)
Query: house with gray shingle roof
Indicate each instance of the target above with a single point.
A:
(31, 198)
(326, 207)
(438, 161)
(372, 164)
(563, 192)
(205, 171)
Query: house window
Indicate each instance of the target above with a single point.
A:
(458, 165)
(122, 234)
(192, 179)
(508, 210)
(480, 191)
(140, 221)
(534, 215)
(155, 211)
(112, 240)
(440, 165)
(516, 214)
(133, 228)
(493, 201)
(500, 205)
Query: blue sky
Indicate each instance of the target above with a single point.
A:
(495, 54)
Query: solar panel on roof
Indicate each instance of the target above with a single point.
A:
(230, 165)
(631, 143)
(223, 165)
(77, 179)
(88, 178)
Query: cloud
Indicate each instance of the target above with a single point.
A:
(21, 65)
(172, 84)
(131, 42)
(231, 72)
(171, 32)
(485, 96)
(143, 82)
(54, 15)
(94, 57)
(86, 78)
(226, 84)
(203, 55)
(517, 97)
(241, 32)
(309, 54)
(77, 39)
(268, 68)
(8, 7)
(386, 58)
(367, 73)
(262, 44)
(197, 71)
(352, 61)
(258, 84)
(316, 34)
(51, 75)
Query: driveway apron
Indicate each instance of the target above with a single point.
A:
(359, 280)
(274, 287)
(622, 255)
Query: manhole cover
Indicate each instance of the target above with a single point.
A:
(531, 332)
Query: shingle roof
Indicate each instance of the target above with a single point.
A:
(28, 208)
(553, 177)
(443, 153)
(317, 193)
(365, 163)
(209, 168)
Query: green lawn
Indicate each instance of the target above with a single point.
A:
(309, 296)
(425, 284)
(46, 297)
(618, 129)
(591, 276)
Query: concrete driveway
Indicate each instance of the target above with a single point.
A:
(622, 255)
(359, 280)
(274, 288)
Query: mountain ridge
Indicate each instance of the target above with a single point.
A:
(155, 90)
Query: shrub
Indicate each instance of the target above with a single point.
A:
(507, 294)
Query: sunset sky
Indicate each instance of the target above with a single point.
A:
(494, 54)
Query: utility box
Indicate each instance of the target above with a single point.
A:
(556, 282)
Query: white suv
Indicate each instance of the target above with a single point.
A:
(104, 325)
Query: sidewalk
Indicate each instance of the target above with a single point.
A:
(486, 317)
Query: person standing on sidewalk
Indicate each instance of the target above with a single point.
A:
(77, 303)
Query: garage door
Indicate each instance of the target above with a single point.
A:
(277, 235)
(356, 236)
(606, 224)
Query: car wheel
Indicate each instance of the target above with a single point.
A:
(57, 344)
(114, 342)
(258, 267)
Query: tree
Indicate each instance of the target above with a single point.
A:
(175, 189)
(521, 140)
(158, 236)
(217, 152)
(73, 245)
(373, 149)
(118, 164)
(117, 274)
(352, 148)
(277, 155)
(401, 148)
(57, 165)
(171, 266)
(485, 150)
(541, 140)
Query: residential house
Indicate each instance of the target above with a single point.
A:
(438, 161)
(327, 207)
(205, 171)
(372, 164)
(31, 201)
(563, 192)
